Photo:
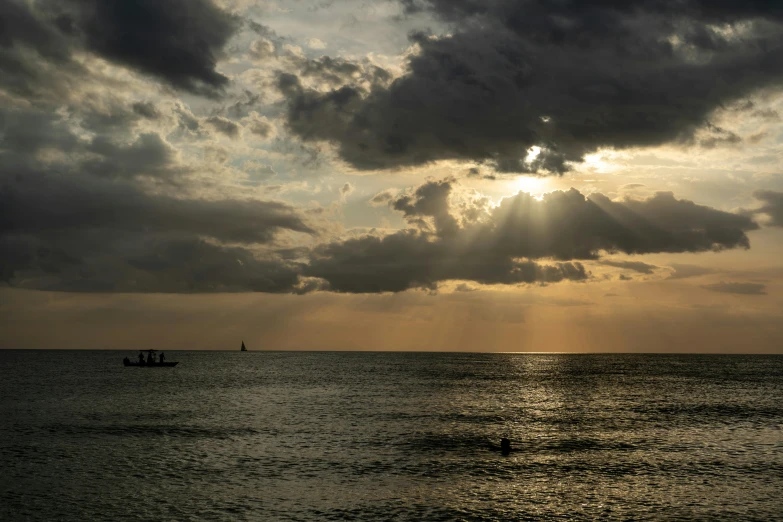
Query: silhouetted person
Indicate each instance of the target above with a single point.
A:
(150, 360)
(505, 446)
(161, 357)
(141, 358)
(126, 361)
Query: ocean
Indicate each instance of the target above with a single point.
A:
(390, 436)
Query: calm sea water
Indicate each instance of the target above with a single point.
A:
(380, 436)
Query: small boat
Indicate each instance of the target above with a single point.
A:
(243, 349)
(153, 362)
(164, 364)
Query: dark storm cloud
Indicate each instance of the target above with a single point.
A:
(21, 27)
(27, 253)
(36, 204)
(772, 206)
(569, 77)
(197, 266)
(149, 155)
(176, 41)
(567, 225)
(410, 259)
(25, 134)
(152, 263)
(26, 44)
(82, 233)
(737, 288)
(78, 233)
(73, 216)
(106, 117)
(500, 247)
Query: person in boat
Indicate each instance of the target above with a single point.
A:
(161, 357)
(141, 358)
(126, 361)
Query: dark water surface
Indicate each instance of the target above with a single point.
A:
(379, 436)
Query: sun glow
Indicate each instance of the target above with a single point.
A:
(531, 184)
(602, 161)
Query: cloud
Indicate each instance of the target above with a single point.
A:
(146, 263)
(84, 204)
(567, 225)
(146, 110)
(772, 206)
(382, 198)
(636, 266)
(193, 265)
(716, 136)
(261, 50)
(737, 288)
(346, 190)
(97, 191)
(259, 125)
(408, 259)
(76, 232)
(76, 214)
(224, 126)
(83, 199)
(315, 43)
(32, 53)
(28, 136)
(149, 155)
(505, 244)
(332, 72)
(568, 77)
(178, 41)
(429, 200)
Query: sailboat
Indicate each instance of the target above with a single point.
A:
(243, 349)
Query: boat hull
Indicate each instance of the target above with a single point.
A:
(164, 364)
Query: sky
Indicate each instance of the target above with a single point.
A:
(439, 175)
